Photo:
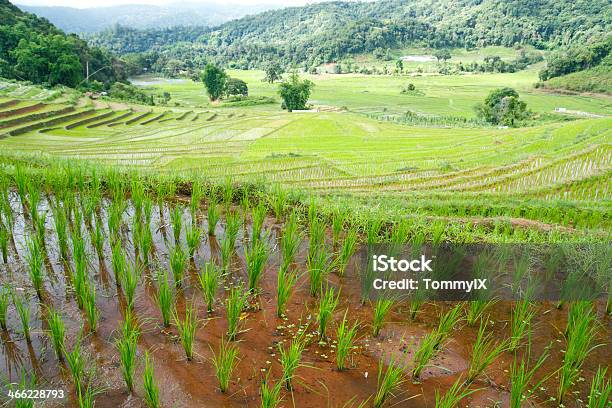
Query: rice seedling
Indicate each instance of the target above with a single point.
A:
(86, 396)
(4, 240)
(451, 399)
(318, 268)
(118, 261)
(270, 395)
(213, 216)
(449, 321)
(187, 328)
(579, 343)
(22, 306)
(388, 381)
(338, 219)
(147, 208)
(278, 201)
(345, 335)
(127, 346)
(290, 240)
(235, 304)
(291, 357)
(373, 228)
(178, 264)
(485, 351)
(432, 342)
(89, 305)
(227, 250)
(76, 362)
(245, 204)
(151, 390)
(176, 220)
(475, 310)
(259, 215)
(399, 236)
(40, 228)
(520, 323)
(129, 284)
(5, 294)
(256, 257)
(225, 361)
(521, 377)
(57, 331)
(164, 298)
(347, 251)
(599, 395)
(317, 237)
(312, 210)
(328, 301)
(98, 239)
(228, 192)
(20, 400)
(285, 282)
(382, 307)
(115, 217)
(35, 265)
(193, 236)
(232, 226)
(194, 203)
(209, 282)
(146, 243)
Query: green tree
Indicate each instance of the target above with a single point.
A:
(399, 64)
(235, 86)
(503, 107)
(273, 72)
(295, 92)
(442, 55)
(214, 79)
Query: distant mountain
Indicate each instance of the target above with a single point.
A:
(89, 20)
(329, 31)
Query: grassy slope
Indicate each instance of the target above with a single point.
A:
(597, 79)
(349, 153)
(443, 95)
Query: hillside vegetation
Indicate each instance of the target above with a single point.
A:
(581, 69)
(32, 49)
(325, 32)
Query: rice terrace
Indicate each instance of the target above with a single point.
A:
(189, 212)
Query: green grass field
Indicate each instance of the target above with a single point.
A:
(442, 95)
(345, 148)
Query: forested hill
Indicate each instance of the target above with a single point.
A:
(33, 49)
(324, 32)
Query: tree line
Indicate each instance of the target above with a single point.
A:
(32, 49)
(327, 32)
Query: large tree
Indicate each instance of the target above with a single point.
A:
(273, 72)
(295, 92)
(235, 86)
(503, 107)
(214, 79)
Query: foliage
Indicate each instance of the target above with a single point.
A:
(273, 71)
(327, 32)
(295, 92)
(503, 107)
(235, 86)
(215, 80)
(576, 58)
(32, 49)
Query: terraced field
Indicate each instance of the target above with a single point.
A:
(330, 152)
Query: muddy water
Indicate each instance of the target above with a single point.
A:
(192, 383)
